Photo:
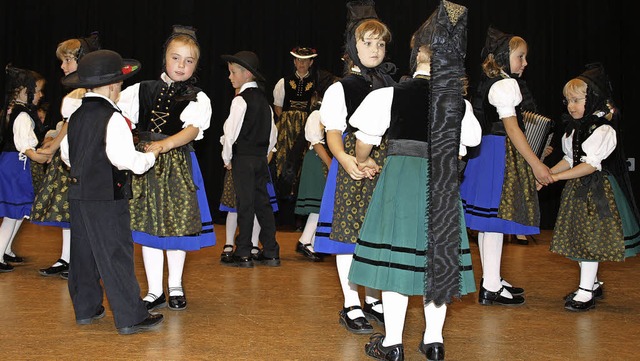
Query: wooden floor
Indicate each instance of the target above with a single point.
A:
(291, 312)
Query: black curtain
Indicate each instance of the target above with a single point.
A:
(562, 37)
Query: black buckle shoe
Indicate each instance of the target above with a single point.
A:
(486, 297)
(158, 302)
(5, 267)
(375, 349)
(98, 315)
(434, 351)
(515, 291)
(55, 270)
(13, 259)
(177, 303)
(149, 323)
(580, 306)
(304, 250)
(598, 293)
(359, 325)
(227, 254)
(371, 314)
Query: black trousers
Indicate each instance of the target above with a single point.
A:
(250, 177)
(102, 248)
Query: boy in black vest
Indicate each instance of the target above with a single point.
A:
(99, 149)
(249, 133)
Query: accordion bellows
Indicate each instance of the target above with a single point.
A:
(538, 130)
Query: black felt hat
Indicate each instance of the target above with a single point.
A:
(248, 60)
(597, 78)
(101, 67)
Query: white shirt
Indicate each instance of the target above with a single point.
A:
(278, 90)
(600, 144)
(233, 125)
(505, 96)
(197, 113)
(119, 145)
(373, 117)
(313, 129)
(333, 111)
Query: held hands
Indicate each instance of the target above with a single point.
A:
(370, 167)
(351, 166)
(159, 146)
(543, 175)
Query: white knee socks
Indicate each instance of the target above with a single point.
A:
(175, 263)
(434, 317)
(231, 226)
(255, 236)
(491, 255)
(588, 272)
(395, 307)
(16, 227)
(154, 268)
(308, 234)
(66, 244)
(349, 289)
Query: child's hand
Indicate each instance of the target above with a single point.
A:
(156, 152)
(350, 165)
(369, 167)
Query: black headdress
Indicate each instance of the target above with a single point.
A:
(357, 12)
(88, 44)
(599, 90)
(445, 33)
(497, 43)
(17, 78)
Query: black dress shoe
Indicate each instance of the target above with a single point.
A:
(486, 297)
(375, 349)
(598, 294)
(64, 275)
(55, 270)
(5, 267)
(434, 351)
(579, 306)
(371, 314)
(268, 261)
(149, 323)
(177, 303)
(359, 325)
(515, 291)
(242, 262)
(304, 250)
(227, 254)
(87, 321)
(158, 302)
(13, 259)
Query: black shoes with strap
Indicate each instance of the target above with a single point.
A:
(158, 302)
(434, 351)
(177, 303)
(305, 250)
(360, 325)
(13, 259)
(55, 270)
(580, 306)
(375, 349)
(486, 297)
(371, 314)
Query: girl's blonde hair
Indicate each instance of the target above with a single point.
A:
(187, 40)
(68, 48)
(492, 67)
(575, 86)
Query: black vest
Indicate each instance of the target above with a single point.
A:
(256, 125)
(298, 92)
(486, 113)
(161, 105)
(92, 175)
(356, 88)
(410, 111)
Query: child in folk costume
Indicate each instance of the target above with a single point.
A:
(598, 219)
(498, 190)
(50, 206)
(169, 209)
(18, 141)
(413, 240)
(250, 134)
(100, 151)
(348, 188)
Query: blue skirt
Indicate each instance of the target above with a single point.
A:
(16, 186)
(207, 236)
(323, 243)
(481, 190)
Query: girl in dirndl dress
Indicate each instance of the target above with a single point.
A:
(169, 210)
(18, 149)
(598, 219)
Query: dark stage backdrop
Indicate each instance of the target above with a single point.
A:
(563, 35)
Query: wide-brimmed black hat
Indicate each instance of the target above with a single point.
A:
(101, 67)
(248, 60)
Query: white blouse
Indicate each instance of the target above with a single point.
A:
(505, 96)
(600, 144)
(24, 137)
(313, 130)
(197, 113)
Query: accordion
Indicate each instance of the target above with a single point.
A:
(538, 130)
